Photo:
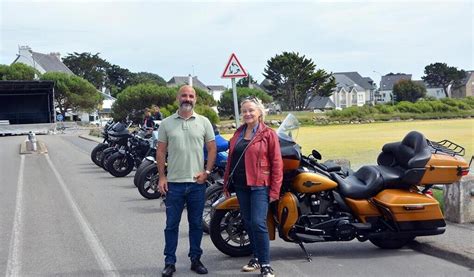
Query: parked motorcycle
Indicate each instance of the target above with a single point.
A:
(96, 154)
(122, 162)
(386, 204)
(148, 177)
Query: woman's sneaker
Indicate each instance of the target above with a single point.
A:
(251, 266)
(266, 271)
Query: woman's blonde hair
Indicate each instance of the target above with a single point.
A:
(258, 103)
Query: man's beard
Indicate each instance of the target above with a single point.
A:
(186, 106)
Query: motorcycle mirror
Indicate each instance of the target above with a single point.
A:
(316, 154)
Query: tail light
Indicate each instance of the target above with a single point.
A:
(464, 171)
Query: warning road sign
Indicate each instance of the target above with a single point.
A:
(234, 69)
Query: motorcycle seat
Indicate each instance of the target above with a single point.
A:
(364, 183)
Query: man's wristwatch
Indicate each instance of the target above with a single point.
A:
(207, 172)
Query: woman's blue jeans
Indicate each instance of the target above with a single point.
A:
(254, 208)
(178, 194)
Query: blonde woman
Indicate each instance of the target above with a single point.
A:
(255, 171)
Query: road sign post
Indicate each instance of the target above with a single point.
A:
(234, 70)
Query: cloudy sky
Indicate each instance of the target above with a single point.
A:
(177, 38)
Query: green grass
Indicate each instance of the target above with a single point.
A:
(362, 143)
(438, 195)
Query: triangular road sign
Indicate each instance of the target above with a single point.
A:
(233, 68)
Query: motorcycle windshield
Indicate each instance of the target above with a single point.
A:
(288, 129)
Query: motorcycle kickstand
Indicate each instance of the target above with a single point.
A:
(308, 256)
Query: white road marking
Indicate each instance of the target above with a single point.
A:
(14, 254)
(100, 254)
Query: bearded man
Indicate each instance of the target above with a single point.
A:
(181, 139)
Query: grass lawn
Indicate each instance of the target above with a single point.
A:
(361, 143)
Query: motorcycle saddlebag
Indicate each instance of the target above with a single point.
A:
(444, 169)
(410, 210)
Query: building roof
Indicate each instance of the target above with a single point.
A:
(364, 82)
(183, 80)
(218, 87)
(388, 81)
(50, 62)
(321, 103)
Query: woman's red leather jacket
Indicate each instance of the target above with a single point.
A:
(263, 162)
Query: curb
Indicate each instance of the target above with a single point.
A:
(439, 252)
(90, 138)
(41, 148)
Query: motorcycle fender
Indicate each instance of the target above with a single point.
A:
(287, 212)
(150, 158)
(224, 203)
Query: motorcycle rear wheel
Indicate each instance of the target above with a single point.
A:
(391, 243)
(97, 152)
(228, 234)
(120, 165)
(148, 182)
(213, 193)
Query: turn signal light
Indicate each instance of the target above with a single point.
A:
(464, 172)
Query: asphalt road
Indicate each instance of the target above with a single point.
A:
(61, 215)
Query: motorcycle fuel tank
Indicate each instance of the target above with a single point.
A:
(308, 182)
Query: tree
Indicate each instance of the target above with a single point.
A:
(226, 103)
(147, 77)
(88, 66)
(293, 79)
(442, 75)
(117, 79)
(245, 82)
(407, 90)
(133, 101)
(72, 92)
(18, 71)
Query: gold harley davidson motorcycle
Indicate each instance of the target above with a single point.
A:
(386, 204)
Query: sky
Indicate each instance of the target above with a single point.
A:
(177, 38)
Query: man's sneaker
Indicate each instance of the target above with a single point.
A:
(266, 271)
(251, 266)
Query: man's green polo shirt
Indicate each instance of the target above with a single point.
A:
(186, 139)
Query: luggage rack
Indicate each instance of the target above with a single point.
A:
(447, 146)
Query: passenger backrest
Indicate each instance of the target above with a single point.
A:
(412, 152)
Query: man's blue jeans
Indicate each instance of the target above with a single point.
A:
(178, 194)
(254, 208)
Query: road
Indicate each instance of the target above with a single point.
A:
(61, 215)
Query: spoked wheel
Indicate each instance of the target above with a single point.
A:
(120, 165)
(148, 182)
(97, 152)
(228, 234)
(213, 193)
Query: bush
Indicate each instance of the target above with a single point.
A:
(226, 103)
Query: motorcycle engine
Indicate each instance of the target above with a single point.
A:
(344, 230)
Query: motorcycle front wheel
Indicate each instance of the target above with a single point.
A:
(213, 193)
(120, 165)
(228, 234)
(97, 152)
(139, 170)
(148, 182)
